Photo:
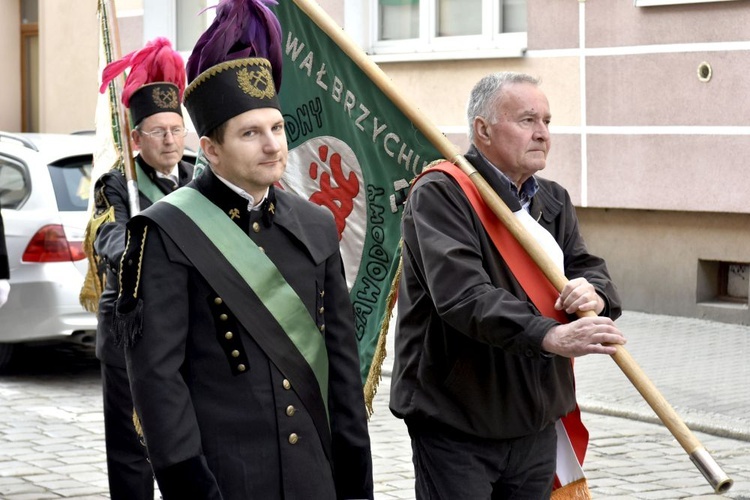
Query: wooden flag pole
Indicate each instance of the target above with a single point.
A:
(122, 127)
(715, 476)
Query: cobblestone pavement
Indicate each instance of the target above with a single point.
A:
(52, 437)
(627, 459)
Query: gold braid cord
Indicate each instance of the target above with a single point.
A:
(577, 490)
(375, 374)
(93, 283)
(137, 425)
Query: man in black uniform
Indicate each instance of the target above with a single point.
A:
(159, 136)
(242, 355)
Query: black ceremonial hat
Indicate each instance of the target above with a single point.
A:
(228, 89)
(155, 82)
(154, 98)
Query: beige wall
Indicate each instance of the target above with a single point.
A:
(653, 257)
(440, 88)
(68, 77)
(333, 8)
(131, 34)
(695, 173)
(617, 23)
(664, 89)
(555, 24)
(10, 65)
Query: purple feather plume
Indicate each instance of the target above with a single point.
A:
(242, 28)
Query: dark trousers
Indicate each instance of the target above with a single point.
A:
(130, 474)
(454, 466)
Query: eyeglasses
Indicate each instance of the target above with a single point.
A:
(161, 133)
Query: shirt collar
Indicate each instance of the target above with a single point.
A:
(251, 205)
(528, 188)
(173, 175)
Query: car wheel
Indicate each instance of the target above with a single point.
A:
(6, 353)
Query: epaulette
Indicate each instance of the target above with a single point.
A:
(127, 325)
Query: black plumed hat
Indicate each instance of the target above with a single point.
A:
(228, 89)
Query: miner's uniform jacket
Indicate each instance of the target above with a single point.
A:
(229, 407)
(111, 192)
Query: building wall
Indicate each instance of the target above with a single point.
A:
(662, 261)
(653, 157)
(666, 152)
(68, 86)
(10, 65)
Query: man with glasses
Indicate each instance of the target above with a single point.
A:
(159, 136)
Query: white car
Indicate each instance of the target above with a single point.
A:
(44, 191)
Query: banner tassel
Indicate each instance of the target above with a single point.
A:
(376, 366)
(93, 283)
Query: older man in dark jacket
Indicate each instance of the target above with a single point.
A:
(480, 375)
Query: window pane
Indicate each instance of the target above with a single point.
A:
(29, 11)
(14, 190)
(459, 17)
(513, 16)
(398, 19)
(71, 182)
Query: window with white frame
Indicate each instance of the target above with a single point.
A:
(438, 28)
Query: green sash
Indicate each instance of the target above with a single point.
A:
(262, 276)
(146, 185)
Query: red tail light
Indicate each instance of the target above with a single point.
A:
(49, 244)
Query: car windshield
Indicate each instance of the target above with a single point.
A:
(71, 179)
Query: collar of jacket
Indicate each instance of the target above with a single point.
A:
(543, 204)
(184, 172)
(281, 209)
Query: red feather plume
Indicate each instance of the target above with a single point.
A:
(156, 62)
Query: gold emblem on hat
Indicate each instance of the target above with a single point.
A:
(165, 98)
(258, 84)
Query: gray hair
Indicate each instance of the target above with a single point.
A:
(489, 90)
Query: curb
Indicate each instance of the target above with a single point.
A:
(715, 425)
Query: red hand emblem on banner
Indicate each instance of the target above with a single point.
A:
(339, 199)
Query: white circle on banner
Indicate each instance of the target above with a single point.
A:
(325, 170)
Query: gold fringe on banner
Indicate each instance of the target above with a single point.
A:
(93, 284)
(577, 490)
(375, 374)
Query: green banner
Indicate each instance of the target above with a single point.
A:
(354, 152)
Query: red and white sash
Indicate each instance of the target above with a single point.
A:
(572, 436)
